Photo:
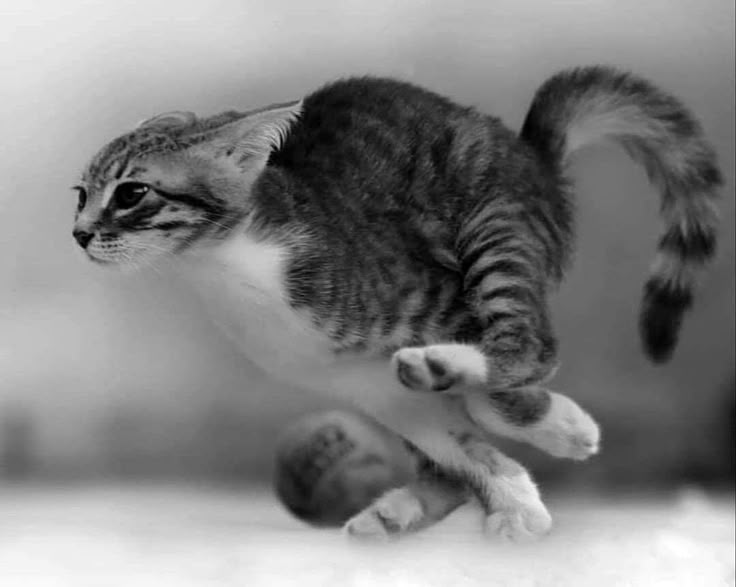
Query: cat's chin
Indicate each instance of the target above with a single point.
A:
(102, 262)
(121, 265)
(114, 265)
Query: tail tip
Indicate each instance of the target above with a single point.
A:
(659, 340)
(661, 318)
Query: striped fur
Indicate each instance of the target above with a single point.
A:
(180, 209)
(483, 221)
(580, 106)
(399, 224)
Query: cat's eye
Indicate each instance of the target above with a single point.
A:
(82, 194)
(129, 194)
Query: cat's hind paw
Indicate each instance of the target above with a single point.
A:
(439, 367)
(395, 513)
(567, 431)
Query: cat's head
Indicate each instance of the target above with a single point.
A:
(174, 182)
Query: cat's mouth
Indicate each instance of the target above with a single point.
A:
(107, 254)
(124, 254)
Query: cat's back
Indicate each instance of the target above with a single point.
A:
(370, 121)
(378, 96)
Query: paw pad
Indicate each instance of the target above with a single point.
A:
(422, 369)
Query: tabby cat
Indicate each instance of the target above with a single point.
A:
(381, 243)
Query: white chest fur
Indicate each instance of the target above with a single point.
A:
(242, 284)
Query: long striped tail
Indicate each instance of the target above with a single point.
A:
(589, 104)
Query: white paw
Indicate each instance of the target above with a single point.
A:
(439, 367)
(393, 514)
(525, 523)
(567, 431)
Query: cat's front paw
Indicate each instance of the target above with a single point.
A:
(439, 367)
(395, 513)
(567, 431)
(523, 523)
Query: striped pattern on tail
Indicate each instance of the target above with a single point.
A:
(585, 105)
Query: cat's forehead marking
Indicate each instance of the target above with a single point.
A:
(113, 159)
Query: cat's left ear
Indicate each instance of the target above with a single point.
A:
(257, 134)
(169, 120)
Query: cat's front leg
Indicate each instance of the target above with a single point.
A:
(548, 420)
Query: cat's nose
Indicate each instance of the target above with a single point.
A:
(83, 237)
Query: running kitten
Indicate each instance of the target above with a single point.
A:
(376, 237)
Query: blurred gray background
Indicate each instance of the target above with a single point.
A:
(110, 375)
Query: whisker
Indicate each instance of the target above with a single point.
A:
(152, 262)
(215, 223)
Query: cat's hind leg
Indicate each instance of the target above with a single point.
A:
(548, 420)
(505, 250)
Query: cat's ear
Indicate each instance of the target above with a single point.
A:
(169, 120)
(255, 135)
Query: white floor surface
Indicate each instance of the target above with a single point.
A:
(188, 536)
